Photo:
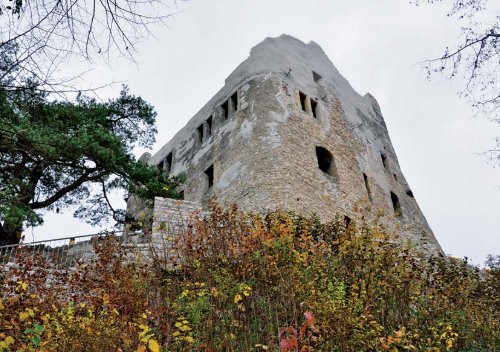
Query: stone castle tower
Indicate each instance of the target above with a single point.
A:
(287, 131)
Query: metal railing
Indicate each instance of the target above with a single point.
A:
(65, 251)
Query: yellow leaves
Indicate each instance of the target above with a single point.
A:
(188, 339)
(214, 292)
(183, 325)
(105, 298)
(153, 345)
(243, 291)
(5, 344)
(238, 298)
(21, 286)
(29, 313)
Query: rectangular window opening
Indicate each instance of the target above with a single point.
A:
(302, 98)
(168, 162)
(209, 126)
(367, 186)
(209, 175)
(199, 132)
(234, 101)
(347, 221)
(225, 109)
(384, 160)
(316, 76)
(396, 204)
(314, 105)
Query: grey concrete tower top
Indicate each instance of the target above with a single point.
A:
(288, 131)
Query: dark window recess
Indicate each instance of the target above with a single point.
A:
(347, 221)
(225, 110)
(384, 160)
(314, 106)
(181, 195)
(409, 193)
(325, 160)
(396, 204)
(199, 131)
(234, 101)
(316, 77)
(302, 98)
(395, 177)
(160, 165)
(168, 163)
(209, 126)
(209, 174)
(367, 186)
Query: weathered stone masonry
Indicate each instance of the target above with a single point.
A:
(288, 131)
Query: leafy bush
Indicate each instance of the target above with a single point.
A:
(241, 282)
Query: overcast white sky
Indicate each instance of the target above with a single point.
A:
(376, 45)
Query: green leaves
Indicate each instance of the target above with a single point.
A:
(55, 154)
(36, 331)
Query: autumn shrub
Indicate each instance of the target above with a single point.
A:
(243, 282)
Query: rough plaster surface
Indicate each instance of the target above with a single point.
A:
(264, 154)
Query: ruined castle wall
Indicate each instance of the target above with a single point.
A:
(260, 138)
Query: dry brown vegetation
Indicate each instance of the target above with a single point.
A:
(247, 283)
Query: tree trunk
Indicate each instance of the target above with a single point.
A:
(9, 234)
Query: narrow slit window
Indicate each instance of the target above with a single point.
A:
(168, 163)
(302, 98)
(209, 126)
(199, 132)
(367, 186)
(209, 175)
(409, 193)
(395, 177)
(234, 101)
(384, 160)
(316, 77)
(325, 160)
(314, 106)
(225, 110)
(396, 204)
